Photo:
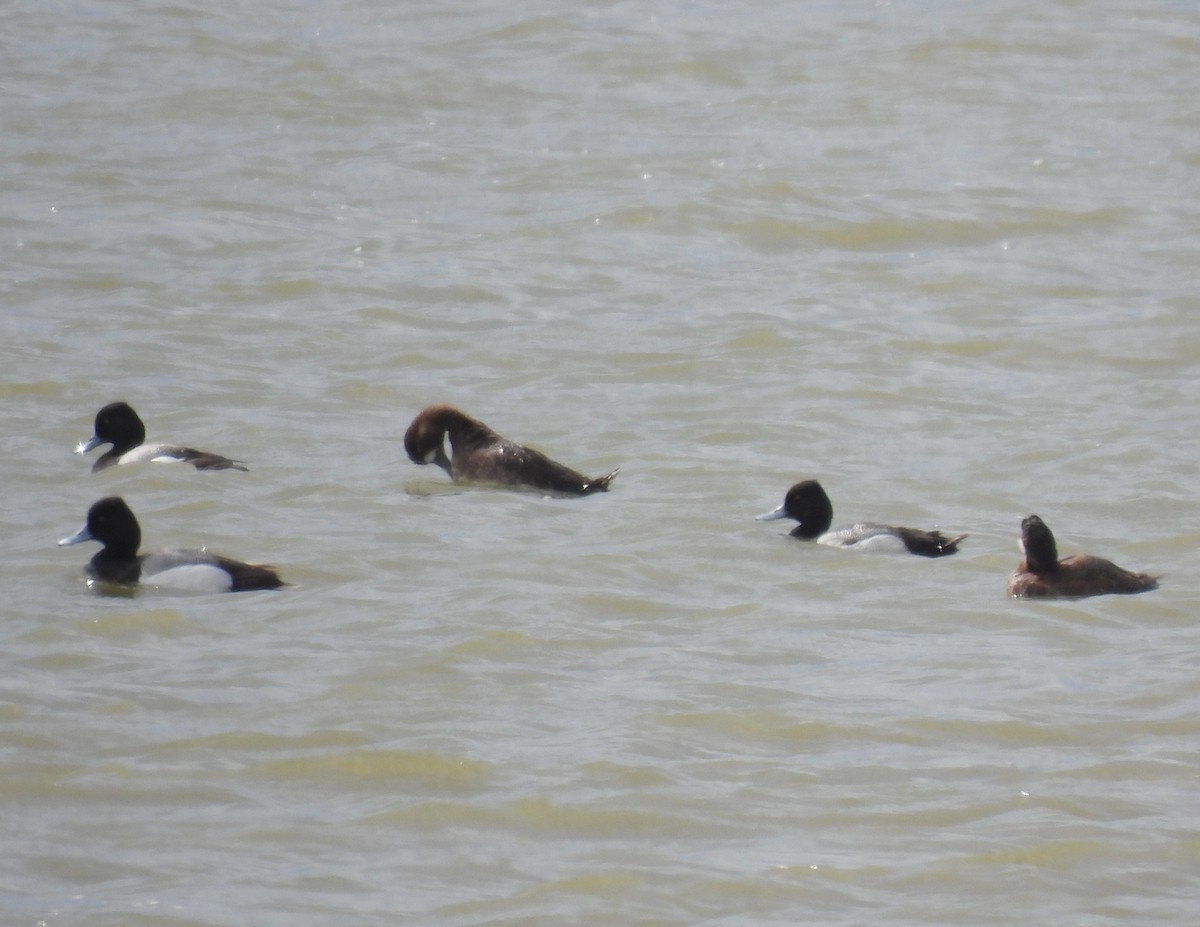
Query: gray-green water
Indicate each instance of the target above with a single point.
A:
(940, 256)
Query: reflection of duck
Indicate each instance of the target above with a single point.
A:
(808, 504)
(1042, 574)
(479, 455)
(117, 424)
(111, 522)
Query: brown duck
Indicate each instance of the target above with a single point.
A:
(479, 455)
(1041, 574)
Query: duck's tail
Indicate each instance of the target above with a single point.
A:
(951, 546)
(247, 576)
(600, 483)
(929, 543)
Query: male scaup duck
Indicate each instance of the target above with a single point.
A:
(1041, 574)
(117, 424)
(807, 503)
(111, 522)
(479, 455)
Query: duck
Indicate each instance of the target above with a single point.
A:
(1042, 575)
(479, 455)
(111, 522)
(119, 425)
(808, 504)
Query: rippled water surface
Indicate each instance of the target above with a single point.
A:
(940, 256)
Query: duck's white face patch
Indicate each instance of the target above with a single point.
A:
(431, 456)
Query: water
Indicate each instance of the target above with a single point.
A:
(940, 256)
